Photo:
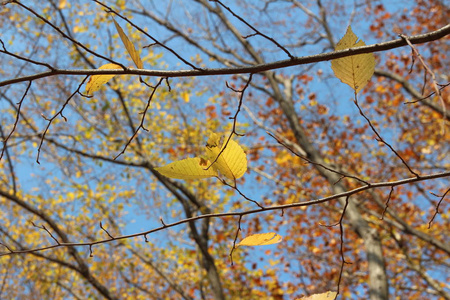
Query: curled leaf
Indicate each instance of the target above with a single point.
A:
(129, 46)
(189, 168)
(260, 239)
(354, 70)
(96, 81)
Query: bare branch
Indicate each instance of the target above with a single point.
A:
(235, 239)
(314, 163)
(380, 139)
(5, 140)
(433, 77)
(141, 125)
(415, 93)
(110, 10)
(387, 203)
(257, 32)
(24, 58)
(234, 118)
(56, 115)
(106, 231)
(437, 208)
(341, 248)
(56, 28)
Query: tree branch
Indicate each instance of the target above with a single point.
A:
(228, 214)
(417, 39)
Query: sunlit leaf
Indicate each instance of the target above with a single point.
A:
(189, 168)
(355, 70)
(62, 4)
(96, 81)
(129, 46)
(260, 239)
(323, 296)
(185, 96)
(232, 162)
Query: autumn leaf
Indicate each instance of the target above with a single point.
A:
(261, 239)
(185, 96)
(355, 70)
(62, 4)
(232, 162)
(129, 46)
(96, 81)
(189, 168)
(324, 296)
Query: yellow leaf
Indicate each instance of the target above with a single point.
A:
(355, 70)
(261, 239)
(96, 81)
(324, 296)
(129, 46)
(213, 140)
(189, 168)
(232, 162)
(185, 96)
(62, 4)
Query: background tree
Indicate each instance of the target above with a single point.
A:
(358, 189)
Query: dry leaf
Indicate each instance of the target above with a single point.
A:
(324, 296)
(261, 239)
(96, 81)
(355, 70)
(129, 46)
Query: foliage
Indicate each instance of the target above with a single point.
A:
(345, 192)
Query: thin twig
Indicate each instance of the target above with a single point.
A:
(48, 231)
(341, 249)
(343, 175)
(17, 119)
(24, 58)
(141, 125)
(380, 139)
(235, 239)
(110, 10)
(56, 28)
(387, 203)
(441, 87)
(234, 118)
(9, 162)
(257, 32)
(106, 231)
(433, 77)
(437, 208)
(418, 97)
(54, 117)
(240, 193)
